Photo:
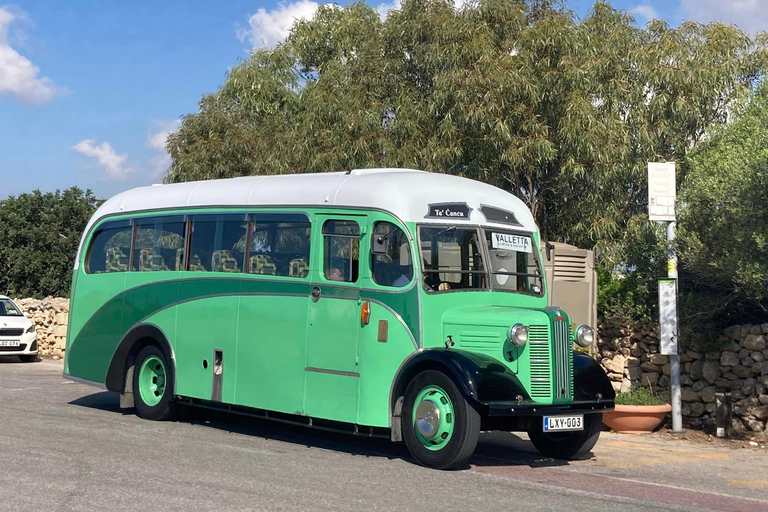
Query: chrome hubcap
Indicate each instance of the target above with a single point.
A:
(428, 419)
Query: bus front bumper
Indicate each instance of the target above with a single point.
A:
(527, 408)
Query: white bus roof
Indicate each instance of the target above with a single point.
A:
(406, 193)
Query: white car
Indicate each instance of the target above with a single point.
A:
(17, 332)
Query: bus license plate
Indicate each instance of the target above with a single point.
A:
(563, 423)
(9, 343)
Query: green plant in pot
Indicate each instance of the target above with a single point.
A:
(636, 411)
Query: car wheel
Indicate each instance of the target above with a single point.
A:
(568, 445)
(153, 385)
(439, 425)
(28, 358)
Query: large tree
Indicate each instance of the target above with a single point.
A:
(564, 113)
(723, 232)
(39, 236)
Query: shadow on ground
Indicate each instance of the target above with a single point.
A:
(493, 449)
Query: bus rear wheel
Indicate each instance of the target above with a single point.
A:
(440, 427)
(568, 445)
(153, 385)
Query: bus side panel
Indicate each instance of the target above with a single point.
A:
(96, 323)
(379, 361)
(271, 352)
(203, 326)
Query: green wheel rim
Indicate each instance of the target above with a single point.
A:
(152, 380)
(433, 418)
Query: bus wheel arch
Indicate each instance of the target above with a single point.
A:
(120, 373)
(418, 363)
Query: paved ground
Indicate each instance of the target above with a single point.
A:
(67, 446)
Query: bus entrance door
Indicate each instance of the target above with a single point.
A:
(334, 319)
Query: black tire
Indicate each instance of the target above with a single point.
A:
(28, 358)
(466, 431)
(166, 408)
(568, 445)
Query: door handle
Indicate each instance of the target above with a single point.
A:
(315, 293)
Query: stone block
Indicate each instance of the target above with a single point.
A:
(708, 394)
(742, 371)
(754, 342)
(711, 371)
(689, 395)
(650, 379)
(729, 359)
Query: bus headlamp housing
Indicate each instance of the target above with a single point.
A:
(518, 334)
(585, 336)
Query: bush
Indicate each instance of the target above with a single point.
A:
(638, 396)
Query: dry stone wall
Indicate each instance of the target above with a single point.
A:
(630, 356)
(50, 318)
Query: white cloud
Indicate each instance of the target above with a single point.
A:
(19, 78)
(114, 165)
(268, 28)
(749, 15)
(157, 140)
(386, 7)
(645, 11)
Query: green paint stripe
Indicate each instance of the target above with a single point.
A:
(90, 353)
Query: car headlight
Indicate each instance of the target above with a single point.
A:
(30, 329)
(518, 334)
(585, 335)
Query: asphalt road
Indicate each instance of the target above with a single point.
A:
(67, 446)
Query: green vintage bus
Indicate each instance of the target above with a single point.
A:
(383, 302)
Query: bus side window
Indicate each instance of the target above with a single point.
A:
(393, 267)
(217, 243)
(279, 245)
(341, 250)
(110, 248)
(159, 244)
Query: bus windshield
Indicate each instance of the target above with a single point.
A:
(452, 259)
(513, 262)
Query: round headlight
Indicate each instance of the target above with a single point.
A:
(518, 334)
(585, 335)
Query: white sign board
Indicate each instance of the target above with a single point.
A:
(661, 191)
(668, 317)
(509, 242)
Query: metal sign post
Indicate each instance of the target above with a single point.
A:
(661, 207)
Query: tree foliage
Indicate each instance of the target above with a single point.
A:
(564, 113)
(723, 233)
(39, 236)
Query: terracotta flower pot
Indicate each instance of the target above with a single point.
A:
(636, 419)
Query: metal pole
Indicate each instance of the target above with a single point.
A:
(674, 360)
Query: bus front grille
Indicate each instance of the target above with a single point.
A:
(538, 345)
(563, 360)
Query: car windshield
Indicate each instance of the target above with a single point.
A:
(8, 308)
(513, 262)
(451, 258)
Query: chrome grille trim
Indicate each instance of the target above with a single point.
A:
(563, 360)
(540, 361)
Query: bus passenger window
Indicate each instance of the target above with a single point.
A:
(393, 267)
(159, 244)
(279, 245)
(110, 248)
(217, 243)
(341, 244)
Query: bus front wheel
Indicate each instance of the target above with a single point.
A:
(440, 427)
(153, 385)
(568, 445)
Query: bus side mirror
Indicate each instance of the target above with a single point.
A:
(379, 244)
(550, 247)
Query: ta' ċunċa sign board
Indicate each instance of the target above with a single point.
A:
(661, 191)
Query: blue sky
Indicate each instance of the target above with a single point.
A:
(89, 89)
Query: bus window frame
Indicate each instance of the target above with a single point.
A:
(482, 251)
(488, 229)
(255, 217)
